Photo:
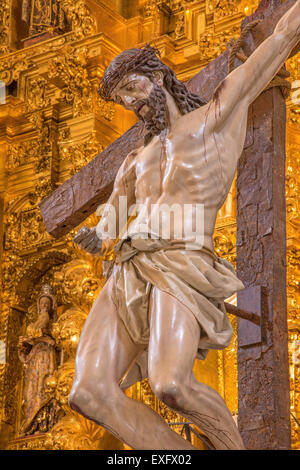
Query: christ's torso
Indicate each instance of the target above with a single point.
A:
(188, 167)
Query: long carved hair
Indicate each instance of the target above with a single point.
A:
(145, 61)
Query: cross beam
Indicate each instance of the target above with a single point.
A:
(263, 363)
(78, 197)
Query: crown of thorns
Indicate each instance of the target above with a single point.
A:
(129, 64)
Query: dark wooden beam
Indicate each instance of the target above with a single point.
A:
(263, 364)
(247, 315)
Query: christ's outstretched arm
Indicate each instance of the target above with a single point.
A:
(245, 83)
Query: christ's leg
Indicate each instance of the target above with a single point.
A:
(174, 339)
(104, 354)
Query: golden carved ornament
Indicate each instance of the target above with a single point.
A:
(59, 384)
(79, 16)
(70, 66)
(28, 443)
(78, 154)
(43, 187)
(176, 5)
(225, 8)
(293, 66)
(293, 111)
(20, 154)
(36, 95)
(293, 189)
(35, 151)
(67, 329)
(43, 16)
(212, 45)
(293, 116)
(27, 271)
(105, 109)
(12, 266)
(150, 8)
(4, 26)
(224, 243)
(26, 228)
(294, 361)
(293, 284)
(73, 432)
(179, 25)
(248, 6)
(79, 90)
(222, 8)
(12, 66)
(79, 282)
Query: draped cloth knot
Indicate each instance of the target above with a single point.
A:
(198, 279)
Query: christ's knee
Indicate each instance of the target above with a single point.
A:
(170, 392)
(79, 400)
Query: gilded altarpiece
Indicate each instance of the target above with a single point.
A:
(51, 124)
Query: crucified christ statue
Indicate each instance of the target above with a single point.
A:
(164, 299)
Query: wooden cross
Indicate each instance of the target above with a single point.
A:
(263, 383)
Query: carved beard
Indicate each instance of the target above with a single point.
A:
(156, 117)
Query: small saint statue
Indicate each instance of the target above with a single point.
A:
(43, 16)
(38, 353)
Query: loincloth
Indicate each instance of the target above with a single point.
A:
(186, 275)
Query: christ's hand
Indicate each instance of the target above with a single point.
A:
(88, 240)
(244, 84)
